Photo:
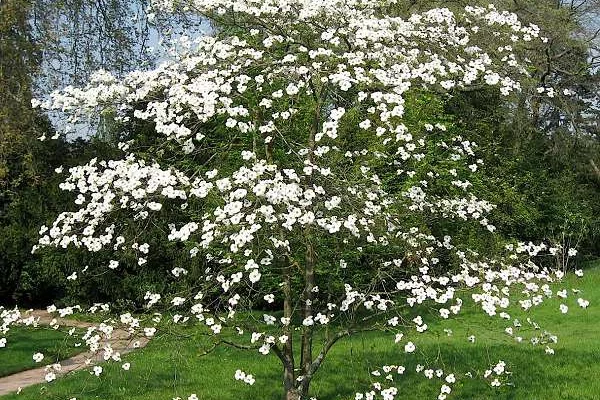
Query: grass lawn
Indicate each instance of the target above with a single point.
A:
(169, 367)
(23, 342)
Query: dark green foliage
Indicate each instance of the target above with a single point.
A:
(543, 184)
(29, 279)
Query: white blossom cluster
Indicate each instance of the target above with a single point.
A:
(387, 391)
(497, 375)
(104, 187)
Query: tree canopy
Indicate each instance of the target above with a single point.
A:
(307, 171)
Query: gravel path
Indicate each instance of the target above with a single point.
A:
(120, 341)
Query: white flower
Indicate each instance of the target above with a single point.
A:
(269, 298)
(563, 308)
(292, 89)
(242, 376)
(264, 349)
(248, 155)
(126, 366)
(366, 124)
(154, 206)
(177, 301)
(409, 347)
(178, 271)
(254, 276)
(568, 92)
(149, 332)
(445, 389)
(583, 303)
(398, 337)
(38, 357)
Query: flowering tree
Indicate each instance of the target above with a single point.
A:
(284, 139)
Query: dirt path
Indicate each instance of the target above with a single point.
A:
(121, 341)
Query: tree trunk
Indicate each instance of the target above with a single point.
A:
(292, 394)
(289, 377)
(307, 298)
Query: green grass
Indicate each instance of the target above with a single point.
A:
(172, 366)
(24, 342)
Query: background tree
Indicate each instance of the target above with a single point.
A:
(19, 128)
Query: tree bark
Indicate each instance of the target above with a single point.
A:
(595, 168)
(289, 377)
(307, 298)
(306, 350)
(292, 394)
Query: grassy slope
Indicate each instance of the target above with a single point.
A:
(168, 368)
(24, 342)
